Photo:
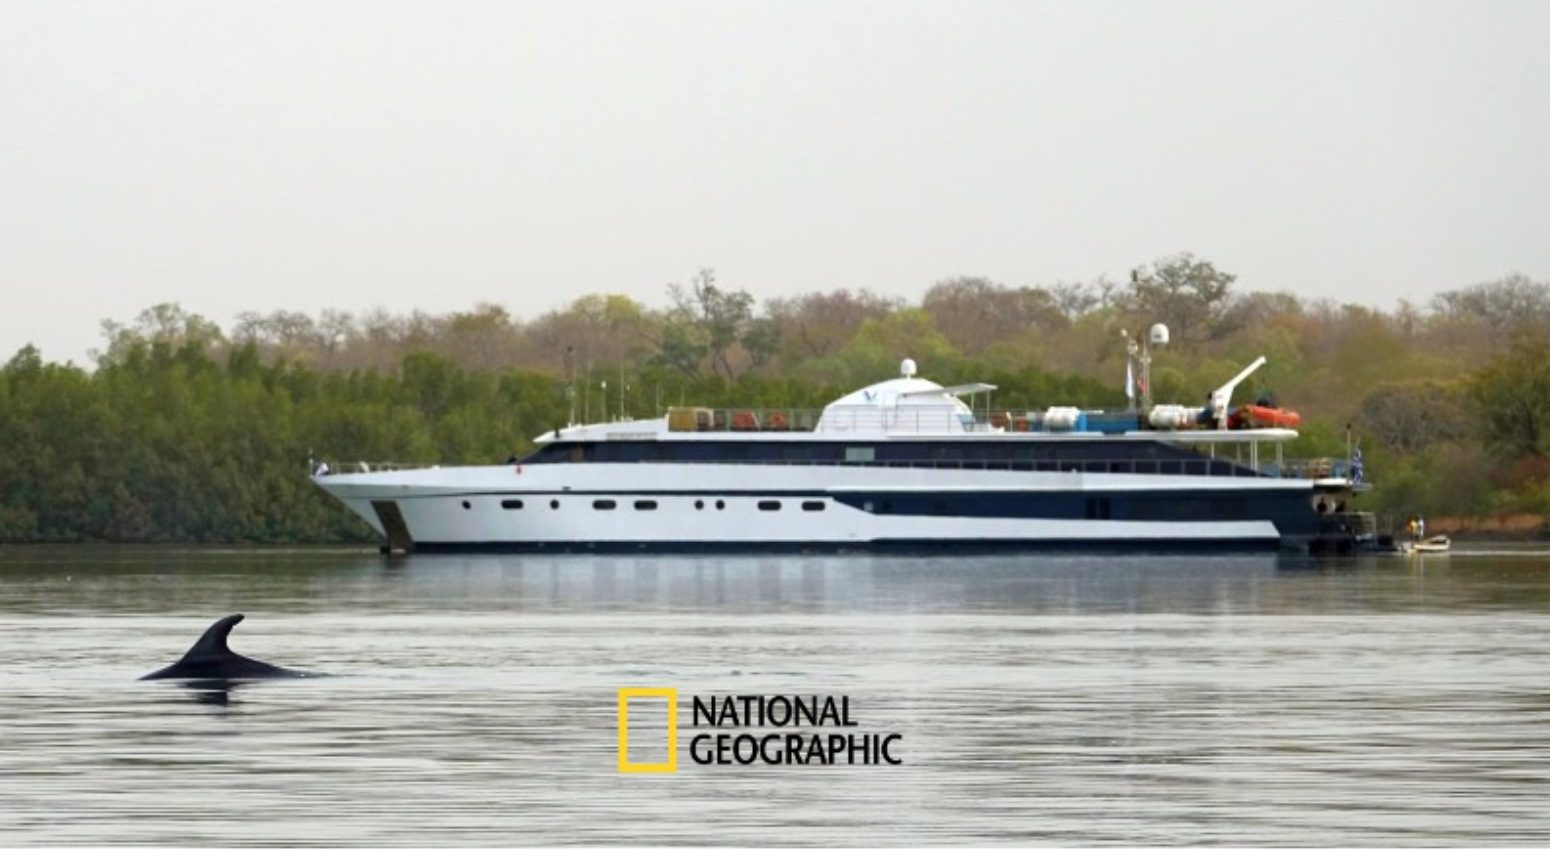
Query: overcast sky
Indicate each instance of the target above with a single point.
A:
(263, 155)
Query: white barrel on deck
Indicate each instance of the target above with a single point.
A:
(1061, 418)
(1168, 417)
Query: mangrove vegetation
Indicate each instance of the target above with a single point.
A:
(181, 430)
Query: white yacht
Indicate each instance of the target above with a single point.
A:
(901, 463)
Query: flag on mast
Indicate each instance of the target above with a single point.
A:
(1130, 380)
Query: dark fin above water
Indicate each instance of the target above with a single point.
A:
(213, 641)
(210, 658)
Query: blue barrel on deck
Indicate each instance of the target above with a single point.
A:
(1104, 422)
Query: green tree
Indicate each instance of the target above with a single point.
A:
(1187, 294)
(1512, 398)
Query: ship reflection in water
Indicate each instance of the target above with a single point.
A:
(1039, 698)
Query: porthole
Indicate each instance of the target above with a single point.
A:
(812, 506)
(554, 504)
(604, 505)
(512, 504)
(466, 505)
(769, 506)
(645, 505)
(699, 504)
(720, 504)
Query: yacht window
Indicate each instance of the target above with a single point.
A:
(1098, 508)
(466, 505)
(734, 452)
(860, 454)
(769, 506)
(554, 504)
(812, 506)
(699, 504)
(512, 504)
(604, 505)
(645, 505)
(720, 504)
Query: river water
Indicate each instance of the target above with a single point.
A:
(474, 700)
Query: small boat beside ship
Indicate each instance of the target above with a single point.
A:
(903, 463)
(1435, 545)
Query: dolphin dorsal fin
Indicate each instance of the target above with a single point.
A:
(213, 641)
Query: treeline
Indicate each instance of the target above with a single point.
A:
(185, 431)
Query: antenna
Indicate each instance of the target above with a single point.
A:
(1141, 354)
(570, 385)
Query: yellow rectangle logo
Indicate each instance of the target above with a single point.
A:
(669, 694)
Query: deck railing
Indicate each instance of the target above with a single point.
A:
(1311, 468)
(849, 419)
(1317, 467)
(348, 467)
(858, 419)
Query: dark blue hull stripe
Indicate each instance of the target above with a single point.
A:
(1291, 511)
(849, 493)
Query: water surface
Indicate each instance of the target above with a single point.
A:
(1041, 699)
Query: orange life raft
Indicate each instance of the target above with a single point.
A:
(1260, 416)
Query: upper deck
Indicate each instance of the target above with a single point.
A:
(915, 408)
(905, 428)
(913, 423)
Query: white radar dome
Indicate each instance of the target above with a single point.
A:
(907, 368)
(1159, 334)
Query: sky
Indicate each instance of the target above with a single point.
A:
(308, 155)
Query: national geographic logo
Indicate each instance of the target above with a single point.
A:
(756, 729)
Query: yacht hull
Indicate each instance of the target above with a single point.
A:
(729, 507)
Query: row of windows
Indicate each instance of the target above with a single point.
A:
(1076, 506)
(1084, 456)
(650, 505)
(936, 452)
(1282, 506)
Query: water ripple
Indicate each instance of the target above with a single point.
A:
(1070, 700)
